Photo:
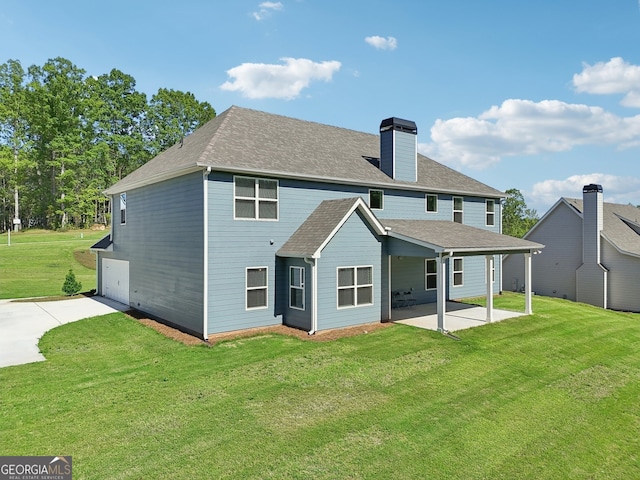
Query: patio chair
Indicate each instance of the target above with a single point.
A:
(409, 299)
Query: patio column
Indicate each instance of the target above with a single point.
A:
(489, 279)
(441, 291)
(527, 284)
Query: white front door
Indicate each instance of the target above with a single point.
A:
(115, 280)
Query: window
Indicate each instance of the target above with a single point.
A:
(255, 198)
(457, 272)
(491, 212)
(430, 274)
(355, 286)
(376, 198)
(432, 203)
(256, 287)
(457, 209)
(123, 208)
(296, 290)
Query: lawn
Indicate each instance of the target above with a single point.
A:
(552, 395)
(37, 261)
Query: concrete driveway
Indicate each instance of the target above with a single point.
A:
(23, 323)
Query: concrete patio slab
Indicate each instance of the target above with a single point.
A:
(459, 316)
(22, 324)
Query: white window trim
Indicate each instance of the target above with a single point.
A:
(354, 286)
(434, 274)
(301, 287)
(426, 202)
(247, 288)
(382, 199)
(257, 199)
(454, 271)
(123, 208)
(454, 211)
(487, 212)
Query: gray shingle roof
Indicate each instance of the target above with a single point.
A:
(444, 235)
(309, 239)
(618, 224)
(248, 141)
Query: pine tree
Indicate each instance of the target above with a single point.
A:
(71, 285)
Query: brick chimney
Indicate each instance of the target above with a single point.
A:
(399, 149)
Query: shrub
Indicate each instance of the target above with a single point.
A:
(71, 285)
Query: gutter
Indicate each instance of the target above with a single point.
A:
(314, 294)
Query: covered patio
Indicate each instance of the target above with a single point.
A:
(460, 316)
(443, 240)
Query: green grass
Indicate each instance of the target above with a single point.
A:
(552, 395)
(37, 262)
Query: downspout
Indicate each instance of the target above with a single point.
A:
(314, 294)
(205, 256)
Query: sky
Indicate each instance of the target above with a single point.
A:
(539, 96)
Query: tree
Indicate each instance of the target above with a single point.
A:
(13, 129)
(517, 219)
(173, 115)
(71, 286)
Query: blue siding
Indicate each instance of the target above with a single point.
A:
(398, 148)
(353, 245)
(163, 242)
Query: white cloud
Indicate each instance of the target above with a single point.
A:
(613, 77)
(381, 43)
(266, 9)
(615, 189)
(262, 80)
(523, 127)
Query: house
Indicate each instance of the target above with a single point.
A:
(592, 253)
(258, 219)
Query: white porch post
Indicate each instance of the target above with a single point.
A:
(527, 284)
(489, 278)
(441, 291)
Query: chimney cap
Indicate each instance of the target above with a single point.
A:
(395, 123)
(592, 187)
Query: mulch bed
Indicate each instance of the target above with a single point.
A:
(322, 336)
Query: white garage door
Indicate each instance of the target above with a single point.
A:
(115, 280)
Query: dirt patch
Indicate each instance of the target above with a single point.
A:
(323, 336)
(86, 258)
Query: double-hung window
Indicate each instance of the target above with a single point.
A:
(490, 213)
(256, 287)
(296, 288)
(458, 205)
(123, 208)
(430, 274)
(255, 198)
(355, 286)
(431, 203)
(457, 271)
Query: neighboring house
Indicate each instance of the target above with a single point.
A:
(258, 219)
(592, 253)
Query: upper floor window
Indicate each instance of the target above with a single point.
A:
(255, 198)
(458, 205)
(376, 199)
(123, 208)
(355, 286)
(491, 213)
(431, 203)
(296, 290)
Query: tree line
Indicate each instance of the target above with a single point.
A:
(66, 136)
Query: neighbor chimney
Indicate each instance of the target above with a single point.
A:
(592, 223)
(399, 149)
